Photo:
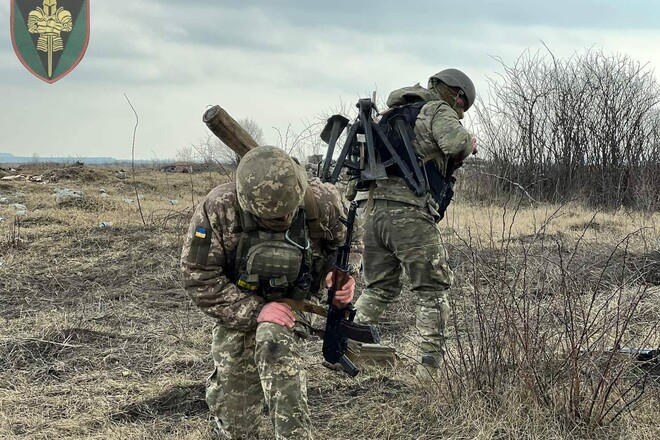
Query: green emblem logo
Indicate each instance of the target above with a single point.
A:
(50, 36)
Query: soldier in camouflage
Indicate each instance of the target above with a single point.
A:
(400, 229)
(270, 235)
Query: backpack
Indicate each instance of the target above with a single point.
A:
(375, 151)
(420, 174)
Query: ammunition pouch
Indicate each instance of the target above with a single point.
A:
(441, 188)
(273, 260)
(275, 270)
(277, 264)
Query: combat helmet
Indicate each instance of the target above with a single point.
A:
(269, 184)
(456, 78)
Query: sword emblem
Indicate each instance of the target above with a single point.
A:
(49, 22)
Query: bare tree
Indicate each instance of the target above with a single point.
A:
(586, 126)
(253, 129)
(302, 143)
(212, 152)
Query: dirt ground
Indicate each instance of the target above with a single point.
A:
(98, 340)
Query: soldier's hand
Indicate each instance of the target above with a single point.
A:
(344, 294)
(475, 150)
(277, 313)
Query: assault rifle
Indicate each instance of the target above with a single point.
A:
(642, 354)
(339, 326)
(647, 359)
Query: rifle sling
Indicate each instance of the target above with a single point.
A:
(356, 332)
(303, 306)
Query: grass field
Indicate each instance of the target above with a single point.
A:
(98, 340)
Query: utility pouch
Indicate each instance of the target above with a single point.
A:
(301, 287)
(274, 259)
(298, 294)
(440, 187)
(273, 265)
(275, 288)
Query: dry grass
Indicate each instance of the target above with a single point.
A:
(99, 341)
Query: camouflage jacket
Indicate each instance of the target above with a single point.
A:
(206, 264)
(438, 133)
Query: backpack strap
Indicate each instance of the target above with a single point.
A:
(246, 220)
(312, 214)
(396, 148)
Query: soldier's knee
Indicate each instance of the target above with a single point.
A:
(273, 342)
(374, 295)
(364, 317)
(433, 307)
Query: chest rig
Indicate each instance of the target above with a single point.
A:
(274, 264)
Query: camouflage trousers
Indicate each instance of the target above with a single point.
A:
(250, 367)
(399, 237)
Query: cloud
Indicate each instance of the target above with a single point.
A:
(278, 62)
(388, 16)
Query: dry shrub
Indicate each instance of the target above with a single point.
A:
(98, 340)
(544, 314)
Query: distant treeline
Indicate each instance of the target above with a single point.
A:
(587, 127)
(7, 159)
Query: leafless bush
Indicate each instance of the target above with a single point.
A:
(13, 236)
(213, 153)
(303, 143)
(546, 314)
(587, 126)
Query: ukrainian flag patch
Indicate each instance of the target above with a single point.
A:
(200, 232)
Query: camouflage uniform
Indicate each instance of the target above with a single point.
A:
(255, 361)
(401, 231)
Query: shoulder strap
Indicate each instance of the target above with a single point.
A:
(409, 112)
(247, 221)
(312, 214)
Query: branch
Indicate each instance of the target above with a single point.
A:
(137, 196)
(516, 184)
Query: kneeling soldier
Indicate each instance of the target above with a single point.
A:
(270, 235)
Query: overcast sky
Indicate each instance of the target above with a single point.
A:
(280, 62)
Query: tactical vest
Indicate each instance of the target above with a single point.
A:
(440, 186)
(278, 265)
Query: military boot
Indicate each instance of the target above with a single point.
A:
(428, 367)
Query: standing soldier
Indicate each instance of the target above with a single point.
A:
(270, 235)
(400, 229)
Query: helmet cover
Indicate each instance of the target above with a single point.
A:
(269, 184)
